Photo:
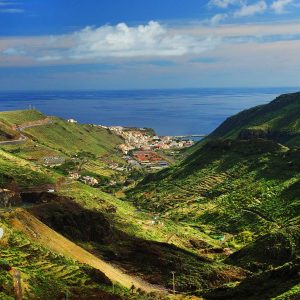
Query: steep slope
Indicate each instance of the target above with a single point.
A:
(7, 133)
(241, 185)
(112, 229)
(36, 272)
(279, 120)
(230, 186)
(18, 173)
(115, 232)
(39, 232)
(46, 137)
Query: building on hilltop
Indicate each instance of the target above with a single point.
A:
(72, 121)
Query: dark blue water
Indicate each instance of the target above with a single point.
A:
(169, 112)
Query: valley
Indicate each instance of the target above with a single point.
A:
(221, 222)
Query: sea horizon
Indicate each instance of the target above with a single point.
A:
(182, 111)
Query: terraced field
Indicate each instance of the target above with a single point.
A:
(225, 220)
(241, 186)
(36, 230)
(44, 274)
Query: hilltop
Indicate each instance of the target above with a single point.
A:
(51, 138)
(279, 121)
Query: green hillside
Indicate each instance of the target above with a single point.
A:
(19, 117)
(278, 120)
(240, 185)
(108, 227)
(229, 185)
(45, 274)
(18, 172)
(69, 138)
(54, 137)
(225, 220)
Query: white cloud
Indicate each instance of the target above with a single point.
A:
(13, 52)
(218, 18)
(12, 10)
(10, 7)
(225, 3)
(279, 5)
(252, 9)
(122, 41)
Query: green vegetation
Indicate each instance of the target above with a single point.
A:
(23, 174)
(279, 283)
(19, 117)
(7, 133)
(232, 186)
(225, 219)
(70, 138)
(58, 138)
(45, 275)
(113, 229)
(240, 185)
(278, 120)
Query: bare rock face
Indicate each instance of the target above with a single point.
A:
(9, 198)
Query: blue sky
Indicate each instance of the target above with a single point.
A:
(137, 44)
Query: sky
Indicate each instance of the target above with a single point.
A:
(148, 44)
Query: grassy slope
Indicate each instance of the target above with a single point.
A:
(279, 120)
(61, 138)
(45, 274)
(37, 231)
(23, 174)
(244, 187)
(70, 138)
(19, 117)
(113, 229)
(232, 186)
(132, 241)
(7, 133)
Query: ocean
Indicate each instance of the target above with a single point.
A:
(168, 112)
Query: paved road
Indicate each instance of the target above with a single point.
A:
(18, 141)
(20, 128)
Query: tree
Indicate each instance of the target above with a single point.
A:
(82, 158)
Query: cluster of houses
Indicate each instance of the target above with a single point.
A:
(140, 138)
(89, 180)
(140, 146)
(149, 158)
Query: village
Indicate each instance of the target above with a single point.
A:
(143, 148)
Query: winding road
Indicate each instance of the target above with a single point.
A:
(22, 127)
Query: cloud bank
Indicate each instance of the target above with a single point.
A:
(246, 8)
(144, 40)
(10, 7)
(279, 6)
(120, 41)
(249, 10)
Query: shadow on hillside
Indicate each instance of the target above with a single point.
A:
(152, 260)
